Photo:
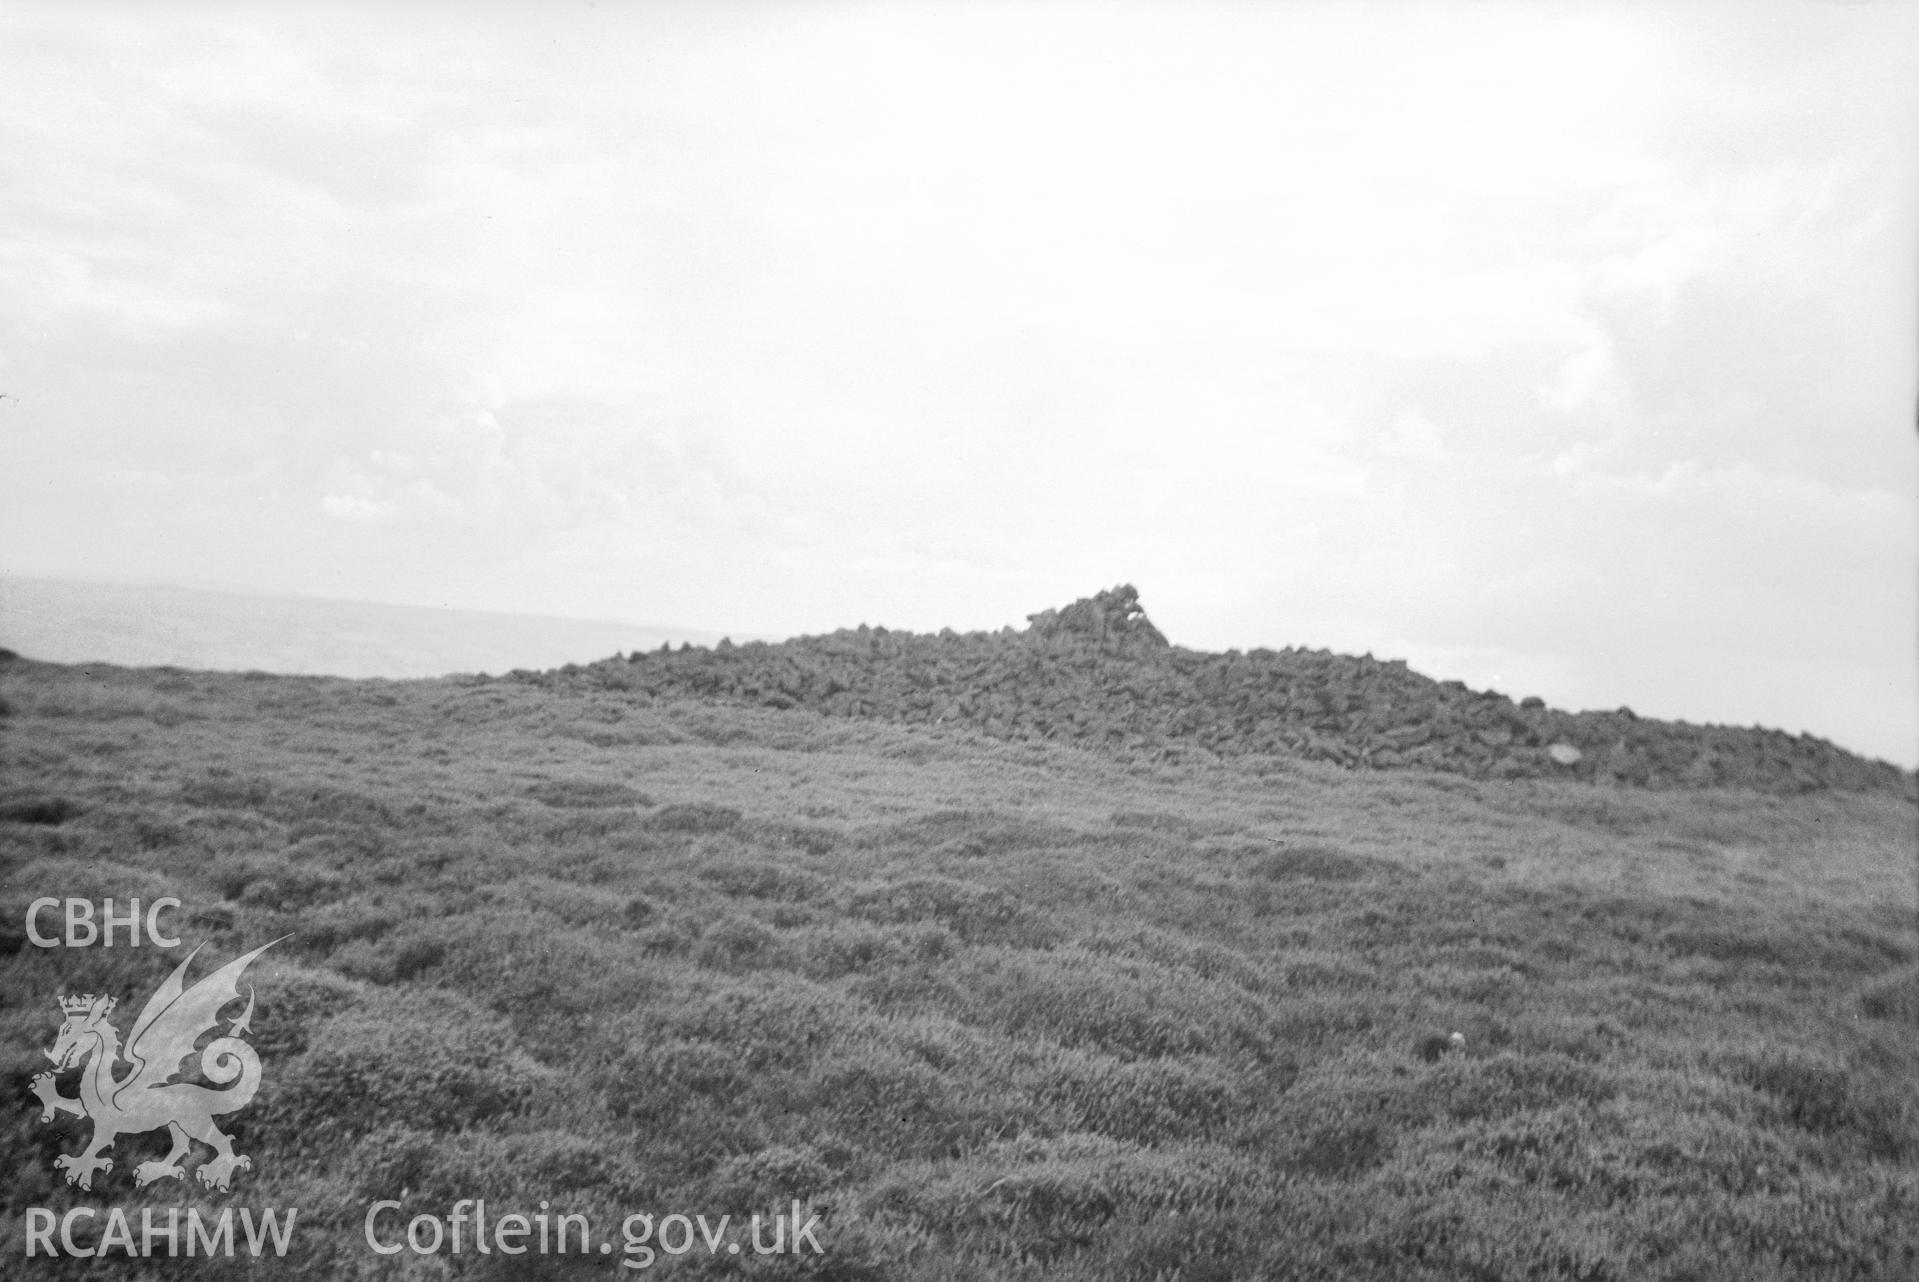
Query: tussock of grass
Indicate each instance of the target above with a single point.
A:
(50, 811)
(586, 794)
(1893, 996)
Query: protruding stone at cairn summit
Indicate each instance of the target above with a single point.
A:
(1114, 620)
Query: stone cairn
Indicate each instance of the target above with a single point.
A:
(1097, 673)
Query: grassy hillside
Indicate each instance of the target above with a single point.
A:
(992, 1008)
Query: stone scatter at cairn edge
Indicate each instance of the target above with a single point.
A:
(1098, 673)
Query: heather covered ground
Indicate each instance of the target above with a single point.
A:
(991, 1005)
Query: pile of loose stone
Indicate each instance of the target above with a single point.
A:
(1099, 674)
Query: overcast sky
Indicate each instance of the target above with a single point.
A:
(1567, 349)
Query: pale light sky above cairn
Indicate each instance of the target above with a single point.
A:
(1565, 349)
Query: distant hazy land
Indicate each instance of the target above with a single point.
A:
(67, 621)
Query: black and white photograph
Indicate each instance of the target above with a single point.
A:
(1148, 641)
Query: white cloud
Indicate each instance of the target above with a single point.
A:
(1412, 435)
(356, 507)
(1581, 378)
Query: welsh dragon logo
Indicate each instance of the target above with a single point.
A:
(145, 1098)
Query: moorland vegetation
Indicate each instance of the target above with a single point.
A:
(995, 989)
